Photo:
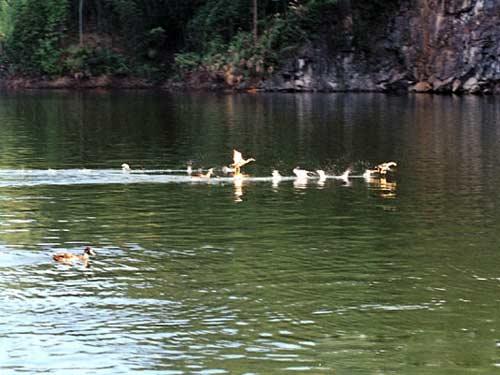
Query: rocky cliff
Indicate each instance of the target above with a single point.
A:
(439, 46)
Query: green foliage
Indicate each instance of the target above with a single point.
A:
(6, 18)
(221, 38)
(150, 71)
(188, 61)
(37, 30)
(145, 37)
(94, 61)
(218, 19)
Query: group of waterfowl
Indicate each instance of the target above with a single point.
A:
(234, 169)
(380, 171)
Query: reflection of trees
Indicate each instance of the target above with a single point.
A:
(91, 129)
(277, 258)
(446, 144)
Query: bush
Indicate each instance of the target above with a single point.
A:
(188, 61)
(94, 61)
(34, 43)
(280, 35)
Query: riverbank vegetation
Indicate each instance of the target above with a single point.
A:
(154, 39)
(237, 39)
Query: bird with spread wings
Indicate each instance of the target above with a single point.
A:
(239, 162)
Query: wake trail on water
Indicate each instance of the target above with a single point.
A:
(37, 177)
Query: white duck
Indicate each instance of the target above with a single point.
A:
(239, 162)
(385, 167)
(126, 168)
(368, 174)
(322, 175)
(381, 169)
(227, 170)
(301, 174)
(206, 175)
(276, 177)
(344, 176)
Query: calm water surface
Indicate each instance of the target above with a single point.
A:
(213, 278)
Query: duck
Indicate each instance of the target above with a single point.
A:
(239, 161)
(206, 175)
(322, 175)
(385, 167)
(368, 174)
(69, 258)
(344, 176)
(227, 170)
(276, 175)
(301, 173)
(380, 169)
(126, 168)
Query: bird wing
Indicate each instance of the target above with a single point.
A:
(301, 173)
(243, 162)
(63, 257)
(237, 157)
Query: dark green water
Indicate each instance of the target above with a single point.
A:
(212, 278)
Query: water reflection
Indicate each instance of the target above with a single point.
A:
(385, 187)
(238, 189)
(276, 178)
(307, 276)
(300, 182)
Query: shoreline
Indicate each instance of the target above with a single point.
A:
(109, 82)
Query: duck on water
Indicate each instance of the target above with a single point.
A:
(70, 258)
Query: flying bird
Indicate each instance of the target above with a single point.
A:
(239, 162)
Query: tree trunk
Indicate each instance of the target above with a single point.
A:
(80, 22)
(100, 27)
(254, 28)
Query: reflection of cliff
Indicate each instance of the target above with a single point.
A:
(447, 142)
(427, 45)
(450, 150)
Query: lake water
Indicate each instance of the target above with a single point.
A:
(214, 277)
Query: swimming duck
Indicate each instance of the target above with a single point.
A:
(381, 169)
(385, 167)
(206, 175)
(69, 258)
(126, 168)
(301, 173)
(227, 170)
(276, 176)
(344, 176)
(322, 175)
(239, 162)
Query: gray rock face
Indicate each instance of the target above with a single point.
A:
(440, 46)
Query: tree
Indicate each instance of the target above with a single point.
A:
(80, 22)
(254, 23)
